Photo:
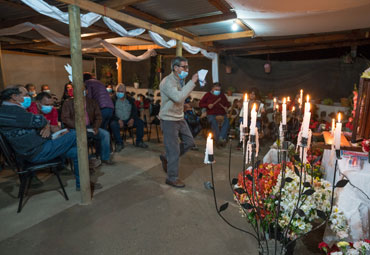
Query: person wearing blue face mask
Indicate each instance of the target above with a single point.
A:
(174, 91)
(217, 107)
(44, 105)
(126, 115)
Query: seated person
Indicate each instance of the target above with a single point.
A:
(143, 105)
(191, 118)
(125, 114)
(28, 134)
(31, 89)
(44, 105)
(217, 105)
(93, 121)
(45, 88)
(110, 90)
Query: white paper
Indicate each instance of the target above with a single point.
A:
(58, 133)
(202, 76)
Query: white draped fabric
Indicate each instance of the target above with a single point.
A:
(115, 27)
(191, 49)
(64, 41)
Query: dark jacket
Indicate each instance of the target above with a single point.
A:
(92, 108)
(134, 113)
(98, 92)
(22, 130)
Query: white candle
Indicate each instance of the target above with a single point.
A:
(273, 108)
(293, 108)
(338, 133)
(253, 120)
(307, 104)
(306, 124)
(210, 144)
(332, 127)
(301, 99)
(288, 100)
(284, 111)
(245, 111)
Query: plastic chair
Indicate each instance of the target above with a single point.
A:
(26, 170)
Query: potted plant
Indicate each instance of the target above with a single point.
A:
(136, 81)
(230, 91)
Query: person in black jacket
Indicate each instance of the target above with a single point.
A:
(29, 134)
(125, 114)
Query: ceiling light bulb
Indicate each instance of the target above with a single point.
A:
(234, 26)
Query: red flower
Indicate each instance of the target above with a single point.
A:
(367, 240)
(322, 245)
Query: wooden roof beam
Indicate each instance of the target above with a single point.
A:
(199, 21)
(221, 5)
(120, 4)
(226, 36)
(108, 12)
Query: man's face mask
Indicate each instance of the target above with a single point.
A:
(46, 108)
(216, 92)
(120, 95)
(26, 102)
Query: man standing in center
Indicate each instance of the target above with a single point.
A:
(174, 91)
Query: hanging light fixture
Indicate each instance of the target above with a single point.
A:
(234, 26)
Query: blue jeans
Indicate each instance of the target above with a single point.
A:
(214, 125)
(103, 145)
(106, 114)
(116, 130)
(65, 147)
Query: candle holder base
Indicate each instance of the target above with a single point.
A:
(337, 153)
(211, 159)
(304, 142)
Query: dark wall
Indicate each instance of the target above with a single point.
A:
(322, 78)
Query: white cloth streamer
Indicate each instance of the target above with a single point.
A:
(69, 71)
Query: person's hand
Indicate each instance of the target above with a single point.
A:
(210, 106)
(130, 123)
(195, 77)
(225, 108)
(121, 124)
(96, 131)
(45, 132)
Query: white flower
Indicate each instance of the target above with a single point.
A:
(352, 252)
(337, 253)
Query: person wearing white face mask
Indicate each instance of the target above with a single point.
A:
(217, 106)
(44, 105)
(174, 91)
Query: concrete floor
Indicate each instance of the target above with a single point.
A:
(135, 212)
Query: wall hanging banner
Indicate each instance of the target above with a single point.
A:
(64, 41)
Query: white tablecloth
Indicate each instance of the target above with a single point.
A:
(354, 203)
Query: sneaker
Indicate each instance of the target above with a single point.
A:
(164, 162)
(119, 147)
(108, 162)
(94, 163)
(177, 184)
(141, 145)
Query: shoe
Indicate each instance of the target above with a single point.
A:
(141, 145)
(177, 184)
(119, 147)
(194, 148)
(94, 163)
(164, 162)
(93, 186)
(108, 162)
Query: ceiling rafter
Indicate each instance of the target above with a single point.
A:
(114, 14)
(226, 36)
(221, 5)
(199, 21)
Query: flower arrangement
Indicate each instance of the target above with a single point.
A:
(366, 145)
(346, 248)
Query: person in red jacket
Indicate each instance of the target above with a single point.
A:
(217, 105)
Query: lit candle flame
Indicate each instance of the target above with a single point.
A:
(254, 107)
(210, 135)
(339, 117)
(293, 109)
(299, 100)
(288, 99)
(277, 107)
(284, 100)
(245, 97)
(301, 91)
(308, 98)
(274, 99)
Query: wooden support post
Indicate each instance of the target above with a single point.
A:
(79, 102)
(119, 70)
(178, 48)
(2, 76)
